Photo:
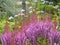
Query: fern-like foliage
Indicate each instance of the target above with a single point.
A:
(11, 6)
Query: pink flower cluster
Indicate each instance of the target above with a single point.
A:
(31, 31)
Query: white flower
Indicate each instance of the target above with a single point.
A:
(16, 16)
(43, 2)
(42, 11)
(57, 6)
(35, 0)
(19, 3)
(27, 2)
(30, 7)
(30, 11)
(22, 10)
(50, 3)
(10, 17)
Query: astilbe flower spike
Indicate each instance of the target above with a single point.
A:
(33, 30)
(53, 36)
(34, 18)
(5, 38)
(23, 36)
(14, 36)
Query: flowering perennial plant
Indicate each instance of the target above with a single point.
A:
(31, 30)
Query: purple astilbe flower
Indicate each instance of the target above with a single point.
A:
(39, 28)
(16, 36)
(46, 28)
(24, 39)
(5, 38)
(19, 36)
(31, 34)
(56, 38)
(53, 37)
(12, 40)
(33, 29)
(19, 39)
(47, 25)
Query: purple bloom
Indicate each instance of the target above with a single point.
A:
(5, 38)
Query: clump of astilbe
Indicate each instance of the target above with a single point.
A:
(6, 36)
(15, 38)
(53, 36)
(18, 36)
(46, 25)
(31, 30)
(22, 34)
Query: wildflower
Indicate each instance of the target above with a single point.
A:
(5, 38)
(41, 11)
(16, 15)
(50, 3)
(10, 17)
(19, 26)
(38, 17)
(30, 11)
(56, 7)
(22, 10)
